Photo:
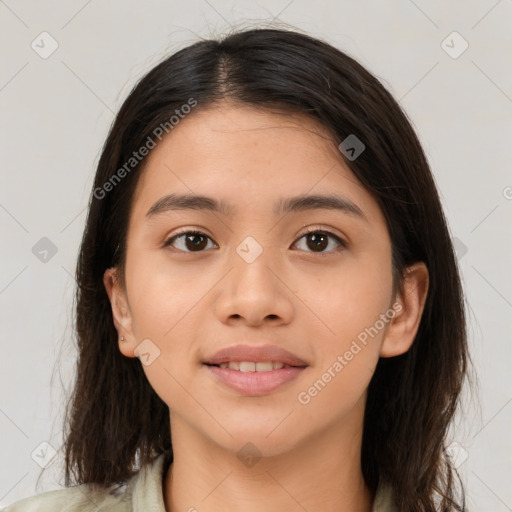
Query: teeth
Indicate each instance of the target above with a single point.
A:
(247, 366)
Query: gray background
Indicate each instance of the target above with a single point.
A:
(56, 112)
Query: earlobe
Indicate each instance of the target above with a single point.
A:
(411, 301)
(121, 314)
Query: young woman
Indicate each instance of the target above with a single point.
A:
(269, 313)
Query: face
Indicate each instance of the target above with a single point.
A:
(254, 276)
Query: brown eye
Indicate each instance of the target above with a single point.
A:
(317, 241)
(189, 241)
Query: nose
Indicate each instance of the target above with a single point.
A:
(254, 292)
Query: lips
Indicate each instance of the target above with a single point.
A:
(254, 371)
(255, 354)
(255, 384)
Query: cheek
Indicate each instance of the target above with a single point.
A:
(351, 300)
(349, 346)
(165, 307)
(163, 311)
(352, 330)
(162, 300)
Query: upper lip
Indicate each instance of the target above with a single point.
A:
(255, 354)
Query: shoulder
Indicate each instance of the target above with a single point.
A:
(81, 498)
(142, 492)
(383, 501)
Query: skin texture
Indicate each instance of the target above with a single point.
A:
(313, 304)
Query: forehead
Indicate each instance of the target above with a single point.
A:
(249, 160)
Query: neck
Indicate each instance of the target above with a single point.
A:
(322, 473)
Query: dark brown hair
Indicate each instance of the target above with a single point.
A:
(116, 423)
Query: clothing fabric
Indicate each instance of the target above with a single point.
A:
(142, 493)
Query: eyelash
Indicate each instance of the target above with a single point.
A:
(341, 242)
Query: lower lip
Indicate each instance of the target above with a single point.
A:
(255, 383)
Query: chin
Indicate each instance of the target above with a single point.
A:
(256, 442)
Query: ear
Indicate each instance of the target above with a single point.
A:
(121, 313)
(408, 307)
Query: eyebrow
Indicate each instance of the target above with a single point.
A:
(300, 203)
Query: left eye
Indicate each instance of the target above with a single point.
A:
(319, 240)
(195, 241)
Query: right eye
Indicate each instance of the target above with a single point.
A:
(190, 241)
